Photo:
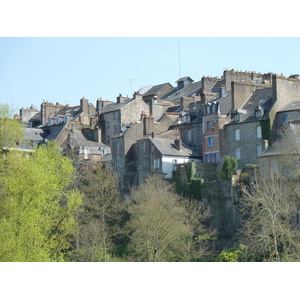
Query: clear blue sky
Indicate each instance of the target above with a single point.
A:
(66, 69)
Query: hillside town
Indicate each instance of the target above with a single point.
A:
(184, 133)
(160, 127)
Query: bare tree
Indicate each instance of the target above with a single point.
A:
(270, 227)
(162, 225)
(100, 215)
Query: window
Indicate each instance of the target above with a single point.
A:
(258, 114)
(237, 134)
(115, 115)
(208, 124)
(236, 117)
(189, 134)
(118, 148)
(107, 124)
(258, 132)
(237, 154)
(156, 163)
(259, 150)
(115, 129)
(210, 141)
(208, 109)
(152, 148)
(108, 139)
(174, 162)
(143, 146)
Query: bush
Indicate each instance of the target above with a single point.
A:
(229, 166)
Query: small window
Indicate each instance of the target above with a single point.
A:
(258, 132)
(286, 117)
(156, 163)
(152, 148)
(237, 154)
(115, 129)
(208, 124)
(208, 109)
(237, 135)
(210, 141)
(107, 124)
(189, 134)
(258, 114)
(115, 115)
(236, 117)
(259, 150)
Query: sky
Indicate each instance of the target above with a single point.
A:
(65, 69)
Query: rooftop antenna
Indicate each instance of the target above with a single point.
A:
(179, 55)
(130, 82)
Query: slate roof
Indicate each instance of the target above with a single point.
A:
(262, 98)
(116, 106)
(187, 91)
(156, 88)
(295, 105)
(82, 141)
(167, 147)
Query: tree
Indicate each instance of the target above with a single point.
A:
(100, 216)
(270, 230)
(229, 166)
(161, 224)
(37, 205)
(11, 131)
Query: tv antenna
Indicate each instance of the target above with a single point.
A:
(179, 56)
(130, 82)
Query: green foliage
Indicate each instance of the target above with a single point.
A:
(229, 166)
(229, 255)
(11, 131)
(37, 205)
(195, 188)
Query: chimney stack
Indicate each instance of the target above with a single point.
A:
(178, 144)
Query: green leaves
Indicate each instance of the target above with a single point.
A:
(37, 205)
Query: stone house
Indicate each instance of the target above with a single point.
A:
(116, 118)
(156, 155)
(246, 130)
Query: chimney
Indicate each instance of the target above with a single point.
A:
(84, 104)
(148, 125)
(178, 143)
(138, 96)
(120, 98)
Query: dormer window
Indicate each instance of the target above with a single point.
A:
(236, 117)
(258, 114)
(208, 109)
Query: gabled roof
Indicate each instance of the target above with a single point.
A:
(156, 88)
(187, 91)
(184, 78)
(167, 147)
(115, 106)
(262, 98)
(83, 142)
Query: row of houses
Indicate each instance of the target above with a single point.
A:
(238, 114)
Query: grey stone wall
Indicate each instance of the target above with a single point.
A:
(248, 142)
(285, 91)
(196, 136)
